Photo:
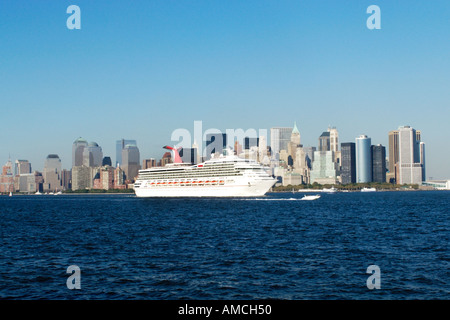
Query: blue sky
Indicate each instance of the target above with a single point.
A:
(141, 69)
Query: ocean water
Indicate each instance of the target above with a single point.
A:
(272, 247)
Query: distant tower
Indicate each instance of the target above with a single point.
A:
(334, 139)
(378, 163)
(363, 159)
(324, 141)
(120, 145)
(409, 159)
(295, 135)
(279, 140)
(22, 167)
(131, 162)
(77, 151)
(348, 159)
(422, 159)
(52, 173)
(92, 155)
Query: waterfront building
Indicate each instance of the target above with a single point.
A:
(26, 183)
(66, 179)
(324, 169)
(104, 178)
(7, 178)
(92, 155)
(422, 159)
(363, 159)
(52, 173)
(119, 178)
(120, 145)
(378, 163)
(409, 159)
(82, 177)
(348, 162)
(77, 151)
(394, 152)
(131, 162)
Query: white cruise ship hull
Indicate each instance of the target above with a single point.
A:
(258, 188)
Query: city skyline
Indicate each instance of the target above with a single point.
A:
(140, 71)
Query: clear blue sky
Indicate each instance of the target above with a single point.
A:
(141, 69)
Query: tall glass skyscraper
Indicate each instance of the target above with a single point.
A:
(378, 163)
(52, 173)
(409, 158)
(77, 151)
(120, 145)
(92, 155)
(348, 164)
(363, 159)
(279, 140)
(131, 161)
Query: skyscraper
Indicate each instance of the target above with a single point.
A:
(324, 141)
(422, 159)
(7, 178)
(22, 167)
(92, 155)
(120, 145)
(52, 173)
(279, 140)
(334, 139)
(409, 159)
(324, 169)
(348, 159)
(131, 162)
(363, 159)
(77, 151)
(378, 163)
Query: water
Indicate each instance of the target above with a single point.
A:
(273, 247)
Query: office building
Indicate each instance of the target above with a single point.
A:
(409, 159)
(22, 167)
(324, 169)
(7, 178)
(82, 177)
(363, 159)
(120, 145)
(52, 173)
(77, 151)
(131, 162)
(348, 162)
(378, 163)
(279, 140)
(92, 155)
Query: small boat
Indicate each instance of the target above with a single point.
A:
(38, 193)
(330, 190)
(368, 190)
(10, 194)
(310, 197)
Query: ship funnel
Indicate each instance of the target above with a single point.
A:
(176, 155)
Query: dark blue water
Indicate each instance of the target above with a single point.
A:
(271, 247)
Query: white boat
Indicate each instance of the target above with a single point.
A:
(225, 176)
(38, 193)
(10, 194)
(329, 190)
(310, 197)
(368, 190)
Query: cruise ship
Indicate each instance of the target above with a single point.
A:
(224, 176)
